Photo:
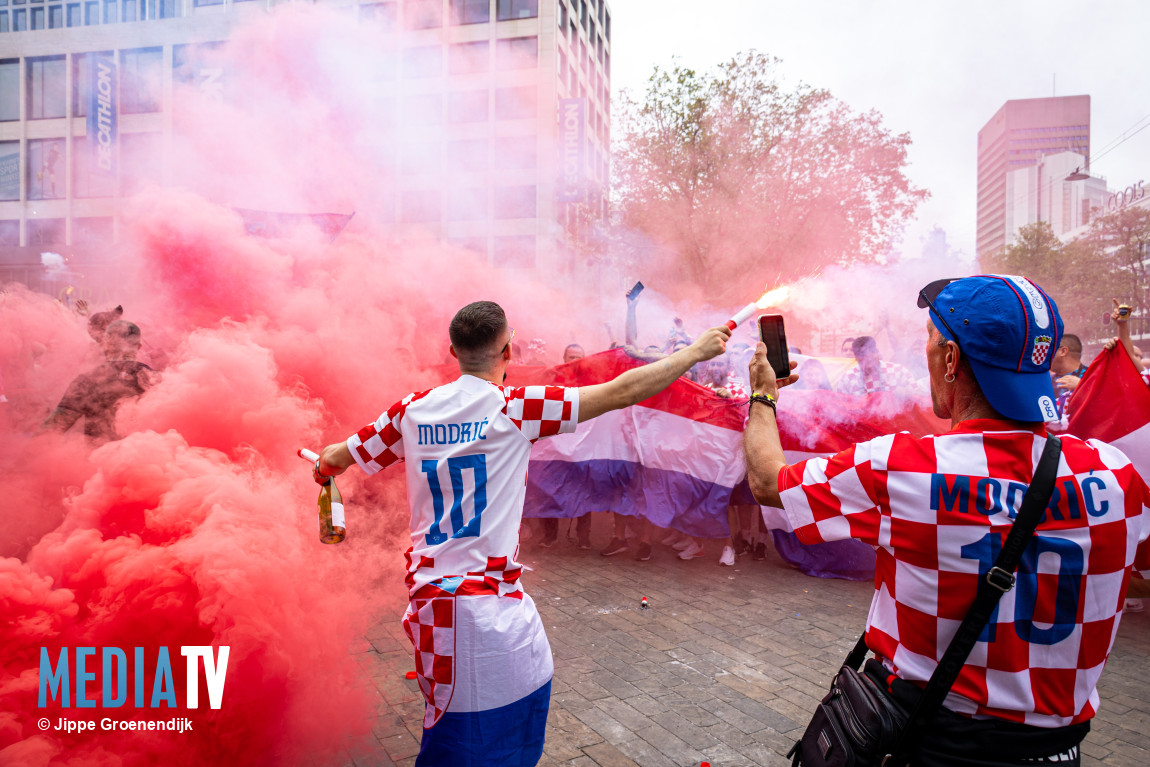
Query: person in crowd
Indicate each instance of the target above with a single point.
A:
(937, 509)
(572, 353)
(873, 373)
(466, 445)
(813, 375)
(1066, 369)
(96, 395)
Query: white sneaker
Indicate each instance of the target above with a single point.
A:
(728, 557)
(694, 551)
(686, 543)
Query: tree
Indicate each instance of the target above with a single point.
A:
(740, 178)
(1081, 276)
(1124, 238)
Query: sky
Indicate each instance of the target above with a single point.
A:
(936, 70)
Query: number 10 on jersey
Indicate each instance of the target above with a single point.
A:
(456, 465)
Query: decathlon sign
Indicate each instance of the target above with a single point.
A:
(572, 140)
(101, 114)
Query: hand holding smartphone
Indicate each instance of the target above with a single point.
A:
(772, 333)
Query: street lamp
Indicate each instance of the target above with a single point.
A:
(1078, 175)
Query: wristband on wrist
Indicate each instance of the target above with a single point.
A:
(766, 399)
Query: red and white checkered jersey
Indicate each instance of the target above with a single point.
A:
(891, 377)
(466, 445)
(937, 509)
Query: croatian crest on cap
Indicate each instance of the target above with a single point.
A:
(1041, 349)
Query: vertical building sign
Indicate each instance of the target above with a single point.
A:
(101, 114)
(572, 146)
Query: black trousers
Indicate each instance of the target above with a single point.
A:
(954, 740)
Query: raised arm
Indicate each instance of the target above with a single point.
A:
(638, 384)
(761, 441)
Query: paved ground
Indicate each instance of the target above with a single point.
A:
(725, 666)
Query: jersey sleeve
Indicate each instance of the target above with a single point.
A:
(542, 411)
(831, 499)
(1142, 553)
(380, 443)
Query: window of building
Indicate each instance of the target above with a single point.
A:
(9, 232)
(9, 170)
(55, 16)
(422, 14)
(467, 58)
(418, 156)
(75, 18)
(38, 18)
(141, 161)
(46, 166)
(91, 14)
(517, 53)
(517, 9)
(470, 11)
(384, 14)
(514, 252)
(419, 206)
(515, 202)
(562, 16)
(468, 155)
(9, 90)
(468, 204)
(84, 182)
(141, 85)
(46, 231)
(573, 37)
(200, 3)
(46, 87)
(91, 230)
(468, 106)
(515, 103)
(516, 152)
(607, 25)
(424, 61)
(19, 20)
(4, 21)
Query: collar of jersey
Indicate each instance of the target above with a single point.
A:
(975, 425)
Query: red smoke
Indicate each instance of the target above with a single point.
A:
(199, 526)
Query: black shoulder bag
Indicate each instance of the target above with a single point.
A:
(858, 724)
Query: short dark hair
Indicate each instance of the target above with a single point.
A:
(863, 343)
(474, 330)
(1072, 343)
(569, 347)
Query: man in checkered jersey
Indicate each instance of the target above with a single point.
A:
(937, 510)
(481, 655)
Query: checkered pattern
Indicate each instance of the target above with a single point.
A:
(541, 411)
(1035, 669)
(430, 625)
(380, 444)
(892, 377)
(465, 447)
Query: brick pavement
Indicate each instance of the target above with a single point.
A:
(725, 666)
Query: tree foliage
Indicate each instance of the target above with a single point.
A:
(740, 178)
(1084, 275)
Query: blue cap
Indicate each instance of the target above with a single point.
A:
(1009, 329)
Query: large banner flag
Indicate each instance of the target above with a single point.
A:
(1112, 403)
(102, 114)
(675, 458)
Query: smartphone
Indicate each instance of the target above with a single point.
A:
(772, 333)
(635, 291)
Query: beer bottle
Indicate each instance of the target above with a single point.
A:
(331, 521)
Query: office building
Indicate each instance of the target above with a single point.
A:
(477, 88)
(1018, 136)
(1044, 192)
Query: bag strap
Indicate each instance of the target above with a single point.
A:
(998, 581)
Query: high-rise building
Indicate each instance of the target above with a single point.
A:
(1020, 134)
(501, 107)
(1045, 192)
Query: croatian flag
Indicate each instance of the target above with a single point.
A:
(673, 459)
(1112, 403)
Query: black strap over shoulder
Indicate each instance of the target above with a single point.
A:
(997, 582)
